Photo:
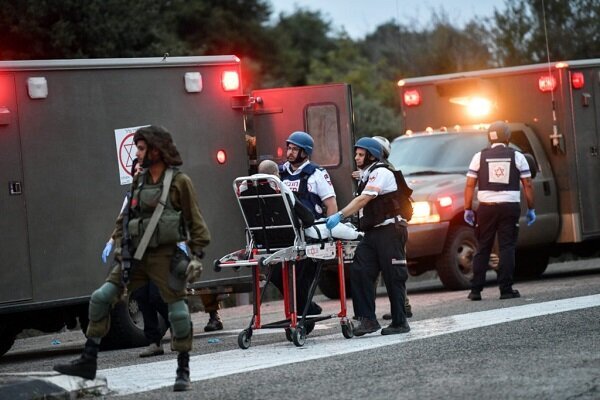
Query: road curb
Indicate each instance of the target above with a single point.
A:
(48, 385)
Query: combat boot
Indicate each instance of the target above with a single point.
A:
(85, 366)
(182, 380)
(214, 322)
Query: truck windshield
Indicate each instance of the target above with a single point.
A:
(446, 153)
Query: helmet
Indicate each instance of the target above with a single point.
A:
(499, 132)
(385, 145)
(371, 145)
(302, 140)
(159, 138)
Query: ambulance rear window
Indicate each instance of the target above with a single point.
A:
(322, 123)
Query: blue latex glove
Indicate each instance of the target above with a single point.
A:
(333, 220)
(530, 216)
(106, 251)
(183, 248)
(469, 217)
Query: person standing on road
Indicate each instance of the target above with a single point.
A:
(497, 170)
(383, 248)
(312, 185)
(387, 149)
(180, 220)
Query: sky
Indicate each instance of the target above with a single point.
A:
(360, 17)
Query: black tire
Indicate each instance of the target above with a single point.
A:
(127, 327)
(329, 282)
(455, 265)
(288, 334)
(8, 335)
(298, 336)
(245, 339)
(531, 263)
(348, 330)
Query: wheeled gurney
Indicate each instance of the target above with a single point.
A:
(275, 238)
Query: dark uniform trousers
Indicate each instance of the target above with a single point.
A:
(503, 219)
(383, 249)
(150, 303)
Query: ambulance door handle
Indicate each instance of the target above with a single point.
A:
(15, 188)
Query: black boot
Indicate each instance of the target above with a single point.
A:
(85, 366)
(214, 322)
(182, 381)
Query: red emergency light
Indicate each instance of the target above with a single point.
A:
(547, 83)
(412, 98)
(279, 152)
(230, 81)
(577, 80)
(221, 156)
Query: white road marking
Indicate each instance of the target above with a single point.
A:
(144, 377)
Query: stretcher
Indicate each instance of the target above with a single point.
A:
(275, 238)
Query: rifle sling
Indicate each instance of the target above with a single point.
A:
(141, 249)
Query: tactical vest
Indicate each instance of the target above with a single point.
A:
(388, 205)
(145, 198)
(498, 170)
(311, 200)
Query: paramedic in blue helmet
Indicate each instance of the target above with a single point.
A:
(312, 185)
(383, 248)
(498, 171)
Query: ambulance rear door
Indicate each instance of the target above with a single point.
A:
(324, 111)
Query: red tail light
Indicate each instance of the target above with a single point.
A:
(547, 83)
(221, 156)
(230, 81)
(412, 98)
(577, 80)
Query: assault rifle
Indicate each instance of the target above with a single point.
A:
(126, 253)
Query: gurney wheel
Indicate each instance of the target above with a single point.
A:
(298, 336)
(348, 330)
(288, 334)
(245, 339)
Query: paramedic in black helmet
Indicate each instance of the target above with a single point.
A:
(383, 248)
(497, 171)
(312, 185)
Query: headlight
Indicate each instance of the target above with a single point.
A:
(424, 213)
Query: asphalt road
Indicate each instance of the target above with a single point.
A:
(555, 355)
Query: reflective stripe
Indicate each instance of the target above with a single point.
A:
(398, 262)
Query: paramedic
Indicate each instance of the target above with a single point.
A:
(159, 157)
(497, 170)
(383, 248)
(314, 189)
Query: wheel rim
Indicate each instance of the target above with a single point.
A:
(464, 257)
(135, 313)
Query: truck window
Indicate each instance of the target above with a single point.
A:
(322, 123)
(444, 153)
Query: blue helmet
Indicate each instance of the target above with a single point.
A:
(302, 140)
(371, 145)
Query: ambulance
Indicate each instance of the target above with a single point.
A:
(554, 114)
(66, 129)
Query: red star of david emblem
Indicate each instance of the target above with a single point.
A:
(499, 171)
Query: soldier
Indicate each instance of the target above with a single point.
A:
(497, 170)
(180, 220)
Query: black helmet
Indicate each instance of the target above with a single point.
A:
(159, 138)
(499, 132)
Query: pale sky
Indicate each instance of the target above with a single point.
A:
(360, 17)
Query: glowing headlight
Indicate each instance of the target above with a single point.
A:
(479, 107)
(423, 213)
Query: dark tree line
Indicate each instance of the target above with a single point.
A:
(301, 47)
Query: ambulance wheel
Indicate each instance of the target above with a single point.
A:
(455, 265)
(298, 336)
(245, 339)
(288, 334)
(8, 334)
(348, 330)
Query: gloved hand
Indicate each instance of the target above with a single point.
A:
(530, 216)
(333, 220)
(469, 217)
(194, 270)
(107, 250)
